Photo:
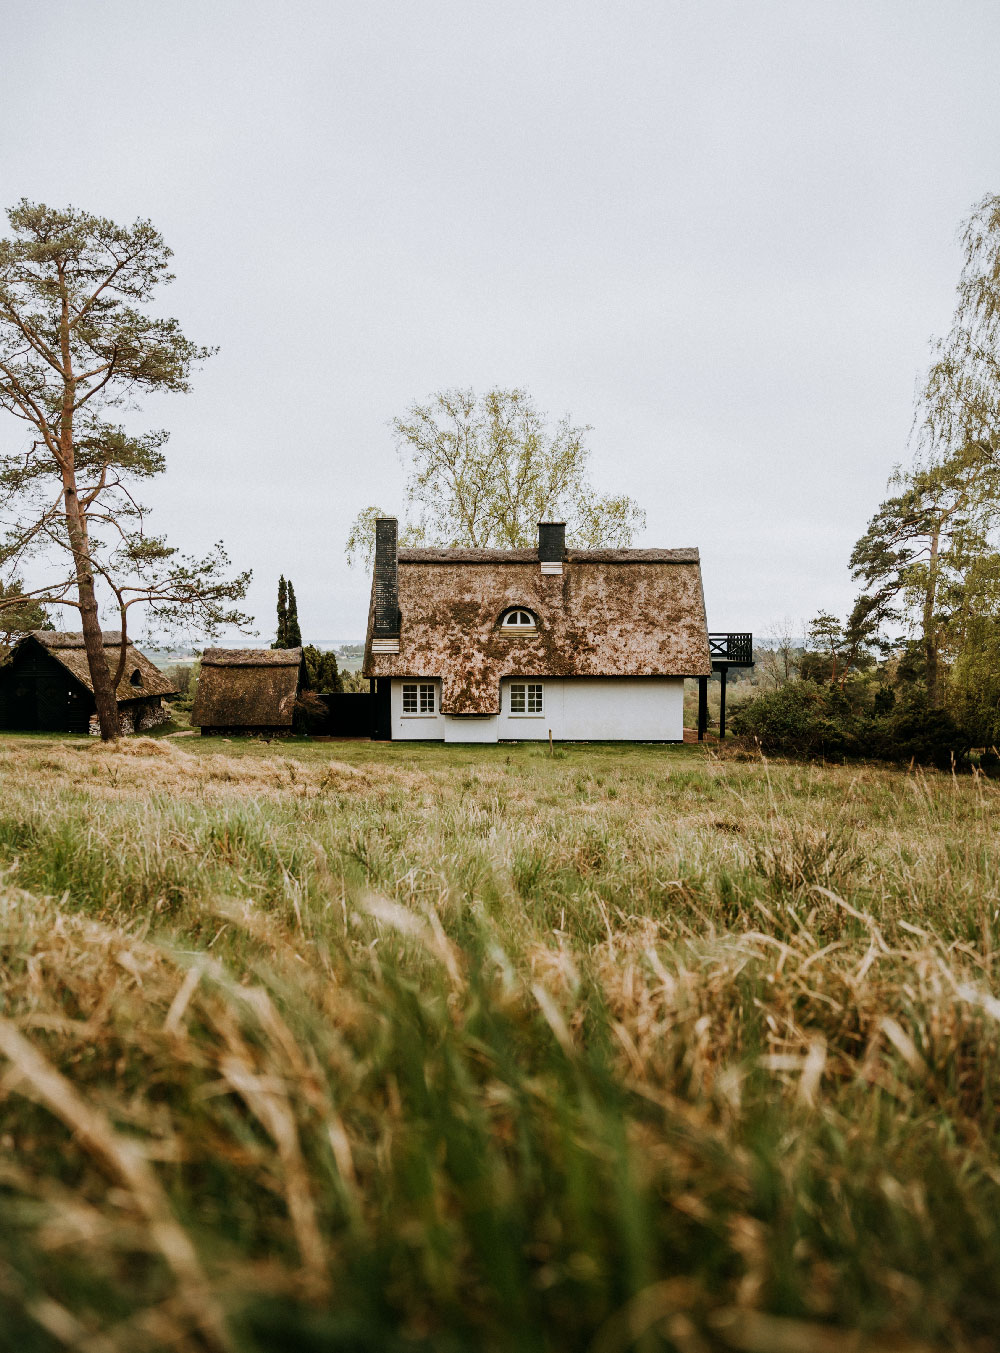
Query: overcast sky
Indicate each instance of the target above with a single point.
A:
(722, 234)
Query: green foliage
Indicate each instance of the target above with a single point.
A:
(322, 673)
(808, 719)
(802, 718)
(19, 614)
(921, 732)
(483, 471)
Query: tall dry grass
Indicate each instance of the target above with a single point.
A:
(375, 1048)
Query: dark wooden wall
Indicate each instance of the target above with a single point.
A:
(349, 714)
(38, 695)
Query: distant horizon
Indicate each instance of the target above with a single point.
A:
(242, 641)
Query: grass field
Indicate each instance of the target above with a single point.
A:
(366, 1047)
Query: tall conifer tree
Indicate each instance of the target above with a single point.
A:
(293, 635)
(281, 641)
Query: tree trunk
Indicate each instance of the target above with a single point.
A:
(93, 639)
(76, 526)
(931, 663)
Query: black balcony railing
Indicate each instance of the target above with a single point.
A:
(736, 650)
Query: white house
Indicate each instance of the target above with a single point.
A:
(470, 645)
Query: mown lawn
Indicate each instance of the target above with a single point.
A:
(366, 1047)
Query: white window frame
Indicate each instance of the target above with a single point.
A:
(424, 695)
(509, 626)
(532, 694)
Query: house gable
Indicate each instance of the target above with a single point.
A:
(69, 651)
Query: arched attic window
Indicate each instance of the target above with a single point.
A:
(518, 620)
(136, 677)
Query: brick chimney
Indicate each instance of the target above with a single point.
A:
(385, 635)
(551, 545)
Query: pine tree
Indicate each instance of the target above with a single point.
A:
(19, 615)
(293, 635)
(77, 344)
(282, 640)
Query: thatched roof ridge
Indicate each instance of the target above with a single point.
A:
(74, 638)
(67, 647)
(251, 657)
(435, 554)
(247, 687)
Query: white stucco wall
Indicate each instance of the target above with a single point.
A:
(406, 726)
(470, 730)
(619, 709)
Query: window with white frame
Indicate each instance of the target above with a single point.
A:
(418, 697)
(526, 697)
(518, 621)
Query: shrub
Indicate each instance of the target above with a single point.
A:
(916, 732)
(800, 719)
(804, 719)
(310, 713)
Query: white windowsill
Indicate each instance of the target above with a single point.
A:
(418, 716)
(527, 716)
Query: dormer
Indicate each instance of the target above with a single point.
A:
(517, 621)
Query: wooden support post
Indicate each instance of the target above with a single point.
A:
(723, 673)
(381, 709)
(702, 707)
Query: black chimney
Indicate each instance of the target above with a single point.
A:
(551, 544)
(386, 579)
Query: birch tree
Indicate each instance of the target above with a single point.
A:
(482, 471)
(77, 348)
(960, 401)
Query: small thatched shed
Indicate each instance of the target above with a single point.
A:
(46, 687)
(248, 691)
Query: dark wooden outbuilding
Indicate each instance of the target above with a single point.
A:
(248, 691)
(45, 686)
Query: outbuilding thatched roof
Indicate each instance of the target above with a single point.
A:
(610, 613)
(67, 647)
(247, 687)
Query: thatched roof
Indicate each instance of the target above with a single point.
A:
(611, 613)
(252, 657)
(247, 687)
(68, 649)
